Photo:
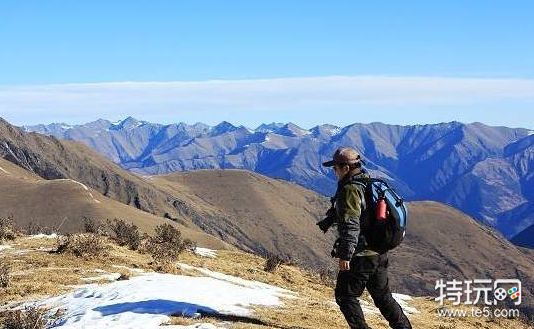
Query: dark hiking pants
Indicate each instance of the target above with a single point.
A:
(368, 272)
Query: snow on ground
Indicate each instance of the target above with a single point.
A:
(147, 300)
(370, 308)
(403, 302)
(205, 252)
(5, 246)
(82, 185)
(530, 132)
(241, 282)
(42, 236)
(74, 181)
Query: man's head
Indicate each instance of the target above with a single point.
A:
(344, 160)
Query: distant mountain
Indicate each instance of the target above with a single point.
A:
(485, 171)
(41, 175)
(56, 183)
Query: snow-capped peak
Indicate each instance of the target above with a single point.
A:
(128, 123)
(325, 130)
(267, 128)
(292, 130)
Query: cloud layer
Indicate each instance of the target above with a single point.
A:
(223, 100)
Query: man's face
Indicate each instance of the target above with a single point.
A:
(340, 171)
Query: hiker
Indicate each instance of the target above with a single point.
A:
(359, 267)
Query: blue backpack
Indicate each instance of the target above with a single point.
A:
(382, 235)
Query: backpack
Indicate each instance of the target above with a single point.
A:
(387, 234)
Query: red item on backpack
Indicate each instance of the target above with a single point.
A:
(381, 209)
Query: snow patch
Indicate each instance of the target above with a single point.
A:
(5, 247)
(205, 252)
(530, 132)
(20, 251)
(403, 302)
(42, 236)
(13, 153)
(280, 292)
(45, 249)
(74, 181)
(335, 131)
(370, 308)
(367, 307)
(82, 185)
(147, 301)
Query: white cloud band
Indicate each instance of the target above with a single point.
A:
(53, 102)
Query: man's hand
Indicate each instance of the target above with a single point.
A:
(344, 265)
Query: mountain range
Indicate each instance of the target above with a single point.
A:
(487, 172)
(56, 183)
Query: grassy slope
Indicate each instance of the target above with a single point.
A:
(38, 273)
(269, 214)
(63, 204)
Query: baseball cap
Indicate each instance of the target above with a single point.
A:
(343, 155)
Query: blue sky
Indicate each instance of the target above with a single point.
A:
(47, 46)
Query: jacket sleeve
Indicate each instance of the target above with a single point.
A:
(348, 213)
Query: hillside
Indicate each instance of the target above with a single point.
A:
(484, 171)
(62, 163)
(444, 243)
(62, 204)
(260, 214)
(51, 159)
(441, 242)
(205, 290)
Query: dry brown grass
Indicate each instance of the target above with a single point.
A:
(7, 229)
(36, 272)
(315, 306)
(39, 273)
(28, 318)
(5, 275)
(184, 321)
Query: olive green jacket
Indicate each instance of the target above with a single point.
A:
(350, 215)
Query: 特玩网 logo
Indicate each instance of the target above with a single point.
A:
(484, 295)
